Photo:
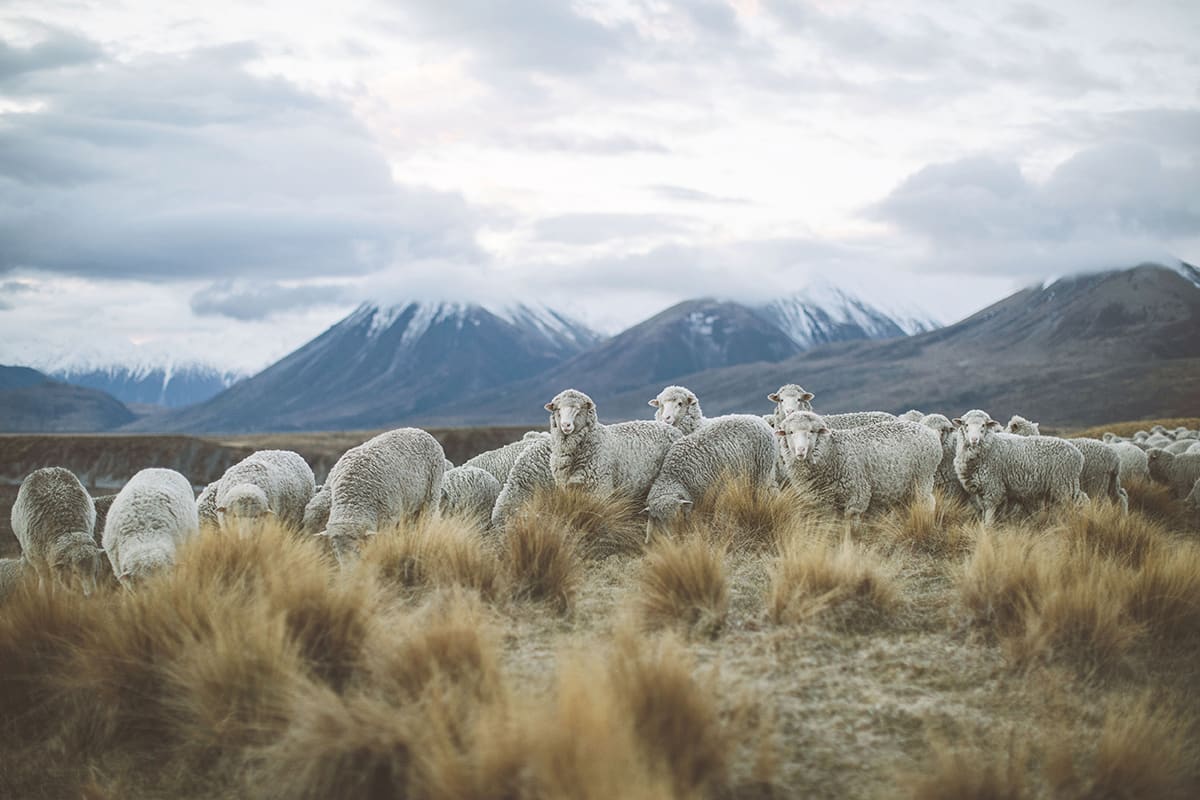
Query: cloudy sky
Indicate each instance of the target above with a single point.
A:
(224, 184)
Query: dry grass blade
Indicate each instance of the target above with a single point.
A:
(542, 561)
(683, 583)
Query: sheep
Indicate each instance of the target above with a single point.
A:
(1140, 436)
(912, 415)
(151, 516)
(1101, 463)
(599, 458)
(1189, 434)
(1158, 430)
(679, 407)
(792, 397)
(469, 492)
(53, 518)
(1134, 464)
(995, 467)
(386, 480)
(206, 507)
(946, 479)
(500, 461)
(1177, 471)
(101, 504)
(267, 482)
(1022, 427)
(1195, 448)
(738, 444)
(865, 469)
(530, 473)
(12, 573)
(1155, 442)
(1179, 446)
(316, 512)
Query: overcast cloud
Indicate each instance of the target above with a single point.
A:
(255, 170)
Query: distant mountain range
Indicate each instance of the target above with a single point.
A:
(1085, 349)
(31, 402)
(169, 386)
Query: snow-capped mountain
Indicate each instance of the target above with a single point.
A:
(384, 364)
(822, 313)
(167, 385)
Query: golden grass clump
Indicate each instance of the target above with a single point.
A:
(844, 584)
(743, 517)
(1164, 595)
(1156, 501)
(542, 559)
(941, 532)
(969, 772)
(601, 525)
(1108, 532)
(432, 552)
(685, 583)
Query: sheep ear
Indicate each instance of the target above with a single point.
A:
(549, 406)
(655, 402)
(956, 422)
(222, 509)
(685, 503)
(780, 433)
(994, 425)
(822, 430)
(773, 397)
(807, 396)
(124, 576)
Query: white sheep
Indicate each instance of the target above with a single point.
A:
(316, 512)
(268, 482)
(1179, 446)
(679, 407)
(599, 458)
(738, 445)
(469, 493)
(386, 480)
(1134, 463)
(912, 415)
(530, 474)
(864, 469)
(792, 397)
(151, 516)
(1101, 463)
(1179, 472)
(54, 518)
(1022, 427)
(946, 479)
(996, 467)
(500, 461)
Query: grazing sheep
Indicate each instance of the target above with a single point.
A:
(151, 516)
(1134, 464)
(599, 458)
(470, 492)
(912, 415)
(946, 479)
(864, 469)
(529, 474)
(1022, 427)
(12, 572)
(316, 512)
(500, 461)
(206, 507)
(738, 444)
(995, 467)
(275, 482)
(792, 397)
(53, 518)
(384, 481)
(1179, 472)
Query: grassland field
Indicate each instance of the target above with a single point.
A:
(760, 649)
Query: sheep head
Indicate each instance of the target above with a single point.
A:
(804, 434)
(975, 426)
(791, 397)
(674, 403)
(571, 410)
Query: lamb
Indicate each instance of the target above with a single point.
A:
(738, 444)
(275, 482)
(792, 397)
(316, 513)
(912, 415)
(53, 518)
(500, 461)
(863, 469)
(386, 480)
(946, 479)
(470, 492)
(995, 467)
(598, 458)
(151, 516)
(1179, 472)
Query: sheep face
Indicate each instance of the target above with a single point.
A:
(672, 403)
(974, 427)
(663, 509)
(803, 433)
(244, 507)
(1158, 462)
(791, 397)
(570, 410)
(346, 540)
(140, 567)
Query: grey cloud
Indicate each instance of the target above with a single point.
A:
(688, 195)
(188, 166)
(1030, 17)
(56, 49)
(1106, 203)
(595, 228)
(261, 300)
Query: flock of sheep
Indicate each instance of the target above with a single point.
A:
(855, 464)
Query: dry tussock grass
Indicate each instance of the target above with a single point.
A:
(435, 552)
(542, 559)
(943, 532)
(844, 584)
(601, 526)
(683, 582)
(1156, 501)
(744, 518)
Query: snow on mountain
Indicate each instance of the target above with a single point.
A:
(822, 313)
